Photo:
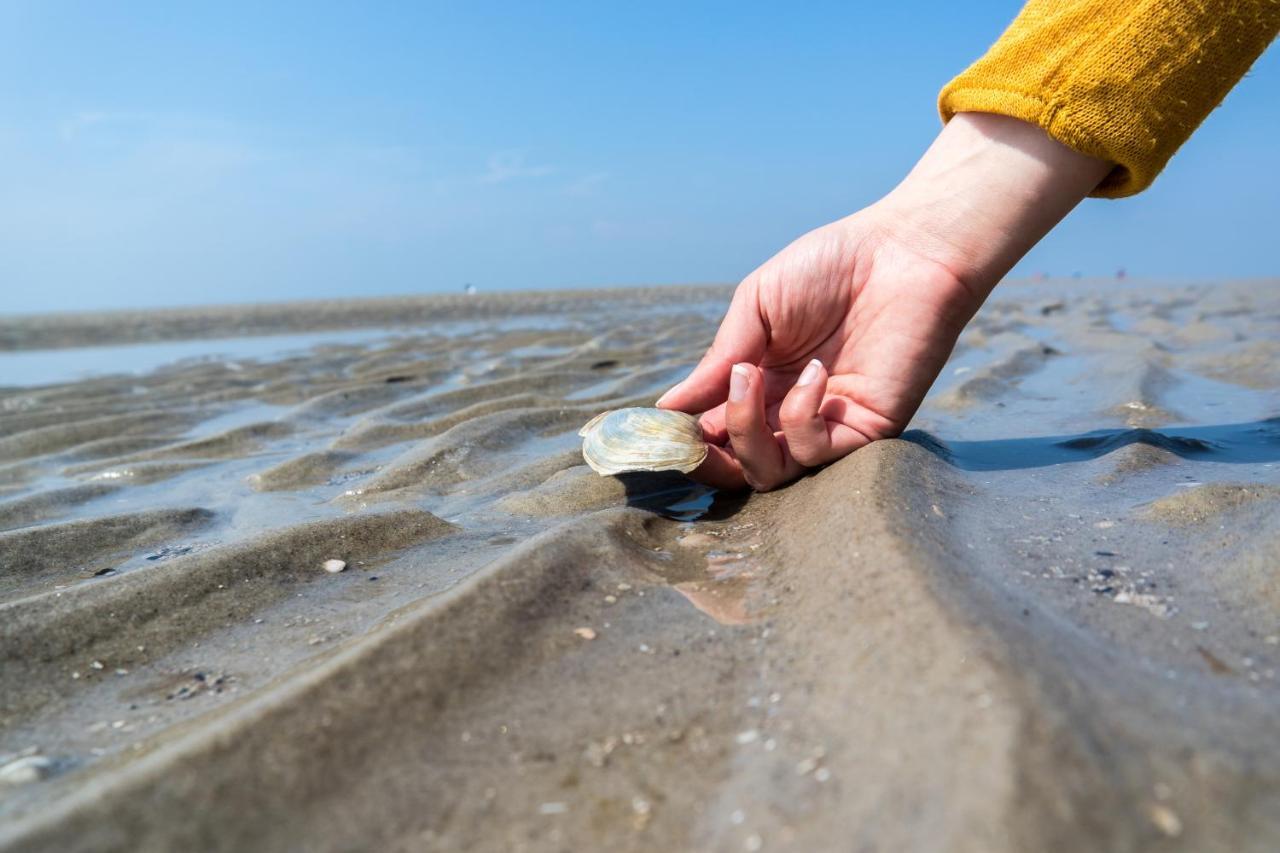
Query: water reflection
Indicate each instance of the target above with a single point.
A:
(668, 494)
(1257, 441)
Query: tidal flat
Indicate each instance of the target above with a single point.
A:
(1047, 617)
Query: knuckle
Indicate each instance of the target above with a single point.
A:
(806, 454)
(805, 439)
(792, 416)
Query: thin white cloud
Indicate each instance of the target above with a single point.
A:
(135, 126)
(507, 166)
(87, 120)
(587, 185)
(154, 145)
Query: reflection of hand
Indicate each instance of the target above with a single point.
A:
(833, 343)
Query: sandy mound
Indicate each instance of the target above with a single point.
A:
(1205, 503)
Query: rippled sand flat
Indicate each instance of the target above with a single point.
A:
(1046, 618)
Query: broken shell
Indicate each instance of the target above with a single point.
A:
(642, 440)
(26, 769)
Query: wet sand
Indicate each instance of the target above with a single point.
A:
(1046, 618)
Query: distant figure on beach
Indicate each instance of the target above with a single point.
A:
(833, 343)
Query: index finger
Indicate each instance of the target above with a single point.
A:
(741, 338)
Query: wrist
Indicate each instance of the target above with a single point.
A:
(987, 190)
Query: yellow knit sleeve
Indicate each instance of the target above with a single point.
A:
(1126, 81)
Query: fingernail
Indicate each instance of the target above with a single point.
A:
(810, 372)
(739, 379)
(673, 389)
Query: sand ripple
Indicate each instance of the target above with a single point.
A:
(1046, 619)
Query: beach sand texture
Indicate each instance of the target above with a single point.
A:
(1047, 618)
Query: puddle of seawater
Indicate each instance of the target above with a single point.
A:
(1206, 400)
(725, 601)
(532, 351)
(244, 414)
(28, 368)
(46, 367)
(607, 385)
(1121, 321)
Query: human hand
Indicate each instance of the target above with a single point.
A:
(830, 345)
(833, 343)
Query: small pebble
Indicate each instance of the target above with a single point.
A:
(611, 599)
(1165, 819)
(585, 633)
(553, 808)
(96, 664)
(749, 736)
(334, 566)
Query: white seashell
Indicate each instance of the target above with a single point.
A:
(636, 439)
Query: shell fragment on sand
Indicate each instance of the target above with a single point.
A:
(26, 769)
(636, 439)
(334, 566)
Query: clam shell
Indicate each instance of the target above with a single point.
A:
(624, 440)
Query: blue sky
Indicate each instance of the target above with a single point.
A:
(237, 152)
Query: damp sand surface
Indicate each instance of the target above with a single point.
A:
(333, 576)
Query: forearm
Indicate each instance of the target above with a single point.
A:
(986, 191)
(1126, 82)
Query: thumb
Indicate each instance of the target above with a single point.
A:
(742, 337)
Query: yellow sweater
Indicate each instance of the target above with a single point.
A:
(1126, 81)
